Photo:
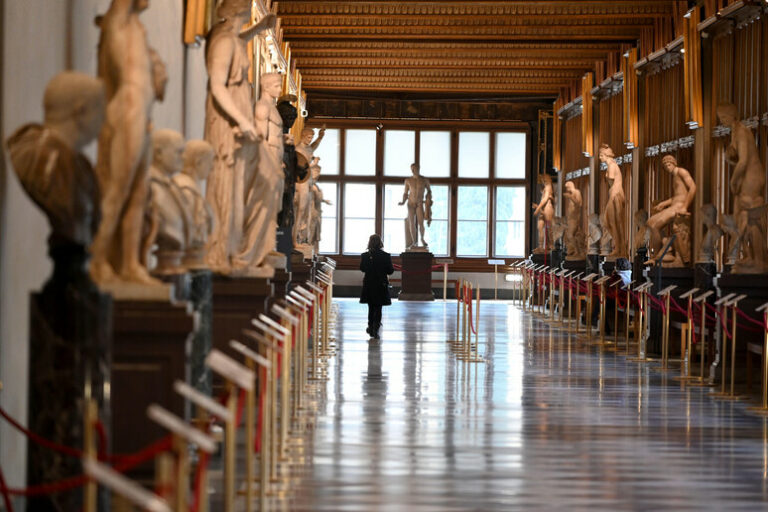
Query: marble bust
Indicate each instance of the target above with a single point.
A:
(708, 246)
(52, 169)
(418, 195)
(167, 202)
(197, 164)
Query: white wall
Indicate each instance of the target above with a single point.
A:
(37, 44)
(33, 51)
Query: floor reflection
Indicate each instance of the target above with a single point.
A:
(548, 422)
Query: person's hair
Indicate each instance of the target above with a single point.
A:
(375, 243)
(669, 158)
(623, 264)
(606, 150)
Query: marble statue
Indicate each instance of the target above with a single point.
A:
(545, 211)
(419, 209)
(167, 201)
(559, 226)
(293, 171)
(594, 234)
(49, 163)
(606, 238)
(642, 233)
(134, 77)
(670, 212)
(615, 208)
(303, 204)
(708, 246)
(306, 147)
(316, 222)
(575, 238)
(230, 128)
(731, 228)
(747, 186)
(197, 164)
(257, 256)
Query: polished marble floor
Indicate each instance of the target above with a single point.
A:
(546, 423)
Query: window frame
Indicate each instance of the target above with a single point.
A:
(453, 181)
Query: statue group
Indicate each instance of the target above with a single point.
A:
(140, 211)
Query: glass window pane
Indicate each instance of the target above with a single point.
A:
(510, 155)
(473, 203)
(329, 235)
(474, 149)
(510, 221)
(359, 216)
(360, 153)
(394, 219)
(329, 151)
(435, 154)
(437, 233)
(472, 222)
(399, 152)
(471, 238)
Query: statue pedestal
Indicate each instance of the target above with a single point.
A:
(661, 278)
(301, 269)
(704, 277)
(201, 297)
(236, 301)
(152, 342)
(70, 339)
(281, 280)
(417, 276)
(755, 286)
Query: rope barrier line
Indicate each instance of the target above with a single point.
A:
(723, 321)
(5, 493)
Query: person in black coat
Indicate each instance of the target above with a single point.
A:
(377, 265)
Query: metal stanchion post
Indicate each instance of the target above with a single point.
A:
(601, 323)
(588, 318)
(628, 289)
(723, 329)
(641, 355)
(763, 408)
(700, 381)
(665, 333)
(731, 393)
(686, 342)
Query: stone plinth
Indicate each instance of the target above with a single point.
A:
(152, 343)
(236, 301)
(70, 351)
(417, 276)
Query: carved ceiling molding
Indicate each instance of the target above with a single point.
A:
(476, 8)
(445, 62)
(436, 73)
(421, 86)
(314, 21)
(453, 46)
(519, 31)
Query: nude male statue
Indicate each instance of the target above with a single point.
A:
(134, 78)
(615, 208)
(664, 213)
(575, 240)
(545, 211)
(419, 209)
(747, 184)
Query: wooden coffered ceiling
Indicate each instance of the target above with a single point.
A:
(510, 48)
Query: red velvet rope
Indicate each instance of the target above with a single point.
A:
(6, 494)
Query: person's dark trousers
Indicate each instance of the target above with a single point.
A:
(374, 318)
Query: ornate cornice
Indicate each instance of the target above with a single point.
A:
(308, 62)
(476, 8)
(533, 32)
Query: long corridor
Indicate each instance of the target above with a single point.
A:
(546, 423)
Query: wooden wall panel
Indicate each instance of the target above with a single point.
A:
(664, 126)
